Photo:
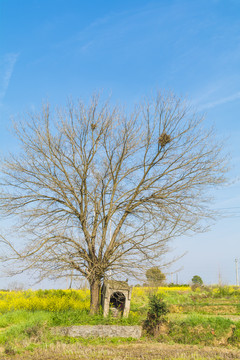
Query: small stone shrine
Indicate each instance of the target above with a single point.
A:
(116, 297)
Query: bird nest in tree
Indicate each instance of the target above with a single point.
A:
(164, 139)
(93, 126)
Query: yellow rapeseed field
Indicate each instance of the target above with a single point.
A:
(60, 300)
(50, 300)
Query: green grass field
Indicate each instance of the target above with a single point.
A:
(205, 317)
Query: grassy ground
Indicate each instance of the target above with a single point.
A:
(206, 317)
(143, 351)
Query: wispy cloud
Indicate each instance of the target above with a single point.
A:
(220, 101)
(120, 28)
(7, 63)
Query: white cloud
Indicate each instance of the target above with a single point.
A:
(7, 63)
(221, 101)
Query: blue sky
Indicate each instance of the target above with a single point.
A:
(53, 49)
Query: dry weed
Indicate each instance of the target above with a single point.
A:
(143, 351)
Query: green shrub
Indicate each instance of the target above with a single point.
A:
(157, 312)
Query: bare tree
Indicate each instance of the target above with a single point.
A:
(100, 190)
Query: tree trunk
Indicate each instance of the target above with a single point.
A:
(95, 296)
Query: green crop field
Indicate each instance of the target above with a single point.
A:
(201, 324)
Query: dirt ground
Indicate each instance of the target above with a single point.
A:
(146, 351)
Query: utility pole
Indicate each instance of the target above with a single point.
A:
(219, 277)
(236, 263)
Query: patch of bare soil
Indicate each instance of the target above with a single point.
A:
(141, 351)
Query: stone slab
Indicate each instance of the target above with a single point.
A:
(99, 331)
